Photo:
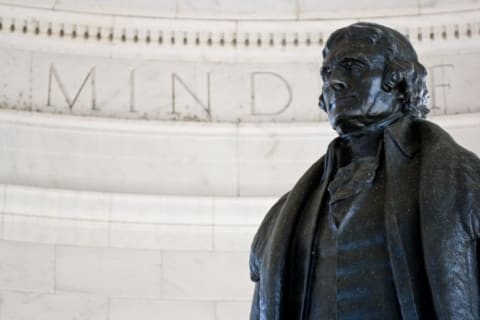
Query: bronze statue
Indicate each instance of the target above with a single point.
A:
(386, 224)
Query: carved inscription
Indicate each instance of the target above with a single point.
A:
(205, 105)
(264, 75)
(267, 97)
(440, 83)
(177, 83)
(132, 89)
(53, 74)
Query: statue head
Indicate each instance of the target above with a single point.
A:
(371, 77)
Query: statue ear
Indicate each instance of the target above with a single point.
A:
(392, 77)
(395, 73)
(321, 103)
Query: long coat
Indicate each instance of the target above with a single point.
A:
(432, 222)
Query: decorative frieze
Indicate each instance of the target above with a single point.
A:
(216, 33)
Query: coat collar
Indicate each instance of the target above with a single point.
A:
(404, 137)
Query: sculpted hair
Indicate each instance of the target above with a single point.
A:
(402, 70)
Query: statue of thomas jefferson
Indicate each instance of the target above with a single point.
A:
(386, 224)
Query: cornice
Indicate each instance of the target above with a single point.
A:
(195, 128)
(45, 29)
(166, 158)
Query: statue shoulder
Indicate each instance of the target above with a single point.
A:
(449, 180)
(439, 149)
(262, 238)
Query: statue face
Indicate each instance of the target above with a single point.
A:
(352, 74)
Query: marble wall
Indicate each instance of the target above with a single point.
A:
(68, 255)
(142, 142)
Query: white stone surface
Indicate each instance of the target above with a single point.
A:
(462, 130)
(162, 209)
(29, 3)
(431, 6)
(144, 157)
(460, 93)
(26, 266)
(120, 159)
(69, 281)
(122, 309)
(14, 88)
(206, 276)
(166, 237)
(269, 159)
(237, 220)
(231, 9)
(41, 306)
(164, 8)
(234, 238)
(238, 310)
(241, 211)
(75, 205)
(55, 231)
(168, 223)
(353, 9)
(82, 218)
(73, 280)
(111, 272)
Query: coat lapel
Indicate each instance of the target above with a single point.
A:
(400, 198)
(274, 266)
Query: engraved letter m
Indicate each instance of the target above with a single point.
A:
(71, 102)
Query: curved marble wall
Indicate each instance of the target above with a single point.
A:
(141, 144)
(83, 255)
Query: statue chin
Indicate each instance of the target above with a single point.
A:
(361, 124)
(353, 125)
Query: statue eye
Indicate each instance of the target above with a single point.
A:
(354, 66)
(326, 71)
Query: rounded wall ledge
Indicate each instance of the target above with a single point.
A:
(250, 9)
(170, 158)
(80, 218)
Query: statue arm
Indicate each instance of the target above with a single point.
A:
(261, 238)
(471, 194)
(256, 253)
(255, 309)
(450, 226)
